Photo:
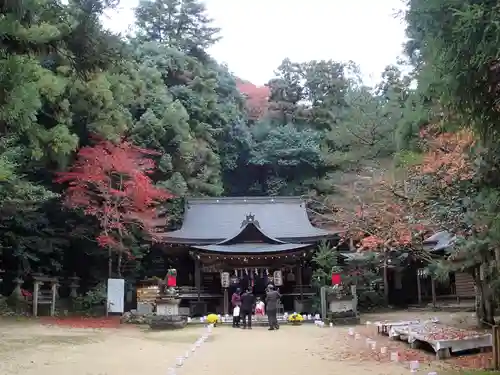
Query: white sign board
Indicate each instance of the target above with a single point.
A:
(116, 295)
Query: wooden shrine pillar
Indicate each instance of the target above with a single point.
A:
(36, 290)
(197, 277)
(54, 284)
(419, 286)
(433, 289)
(226, 301)
(299, 281)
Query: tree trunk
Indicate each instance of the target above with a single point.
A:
(486, 312)
(386, 279)
(119, 265)
(110, 264)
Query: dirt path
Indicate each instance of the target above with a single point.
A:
(38, 350)
(291, 351)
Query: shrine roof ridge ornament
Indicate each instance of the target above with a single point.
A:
(250, 219)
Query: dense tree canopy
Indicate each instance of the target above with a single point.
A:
(314, 130)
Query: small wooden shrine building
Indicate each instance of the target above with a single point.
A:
(237, 242)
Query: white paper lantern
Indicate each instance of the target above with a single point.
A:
(278, 278)
(180, 361)
(394, 356)
(225, 279)
(414, 365)
(383, 350)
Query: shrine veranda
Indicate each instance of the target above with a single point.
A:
(230, 243)
(445, 340)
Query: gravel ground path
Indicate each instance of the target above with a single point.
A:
(39, 350)
(290, 351)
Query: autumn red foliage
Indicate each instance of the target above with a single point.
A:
(382, 218)
(110, 182)
(447, 154)
(82, 322)
(387, 217)
(257, 98)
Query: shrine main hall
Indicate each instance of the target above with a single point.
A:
(229, 243)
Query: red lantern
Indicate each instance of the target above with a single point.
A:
(336, 278)
(171, 281)
(171, 277)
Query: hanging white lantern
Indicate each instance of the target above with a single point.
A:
(278, 279)
(224, 279)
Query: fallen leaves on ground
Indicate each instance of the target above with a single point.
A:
(82, 322)
(348, 348)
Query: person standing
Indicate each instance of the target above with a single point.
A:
(260, 309)
(272, 300)
(236, 302)
(247, 305)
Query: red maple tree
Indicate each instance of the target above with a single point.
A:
(382, 218)
(110, 182)
(386, 216)
(446, 157)
(257, 98)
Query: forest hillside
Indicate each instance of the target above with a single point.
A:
(103, 135)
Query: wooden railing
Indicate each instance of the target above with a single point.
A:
(303, 288)
(192, 291)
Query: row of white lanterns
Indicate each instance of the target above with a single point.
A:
(180, 360)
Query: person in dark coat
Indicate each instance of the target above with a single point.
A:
(272, 301)
(247, 305)
(236, 302)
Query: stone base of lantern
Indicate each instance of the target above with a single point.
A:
(343, 318)
(167, 322)
(167, 311)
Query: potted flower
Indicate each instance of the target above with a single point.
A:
(212, 319)
(296, 319)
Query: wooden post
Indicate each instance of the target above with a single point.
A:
(419, 287)
(299, 279)
(197, 277)
(226, 301)
(36, 290)
(54, 285)
(496, 360)
(433, 289)
(496, 349)
(386, 277)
